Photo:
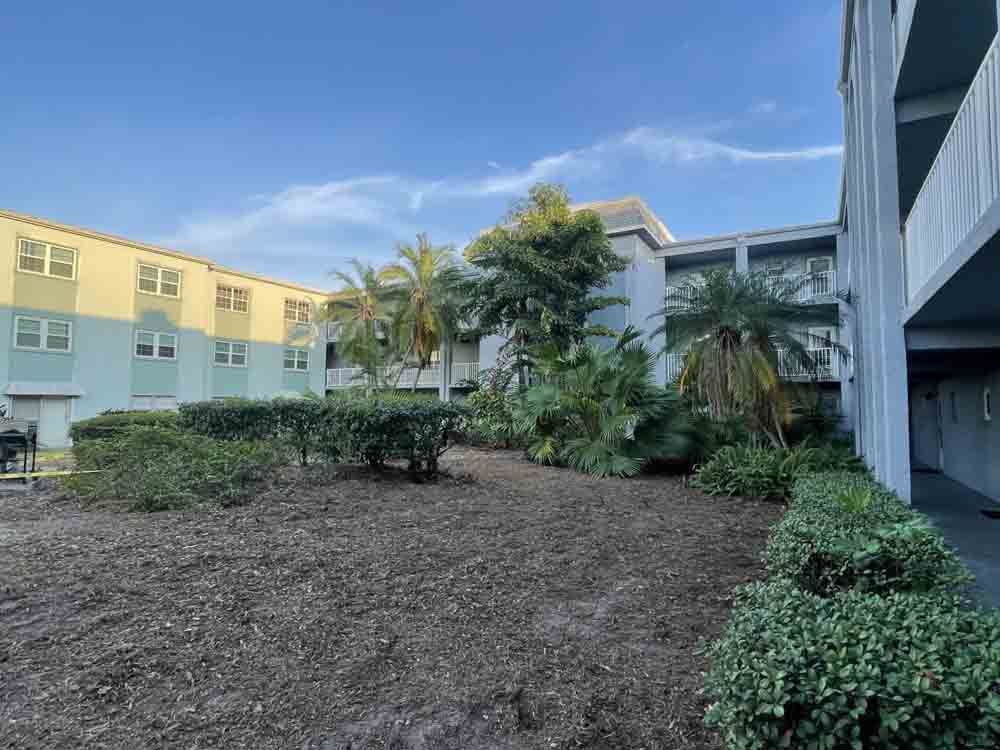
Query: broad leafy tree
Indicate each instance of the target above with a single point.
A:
(536, 277)
(734, 328)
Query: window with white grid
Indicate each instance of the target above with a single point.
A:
(155, 345)
(298, 311)
(231, 353)
(159, 281)
(46, 259)
(232, 298)
(43, 334)
(297, 359)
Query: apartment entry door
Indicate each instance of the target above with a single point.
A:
(50, 413)
(925, 430)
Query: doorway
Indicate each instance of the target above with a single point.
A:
(50, 414)
(925, 429)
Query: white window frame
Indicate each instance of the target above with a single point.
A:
(230, 353)
(47, 260)
(154, 402)
(159, 280)
(230, 297)
(812, 259)
(297, 358)
(300, 305)
(43, 333)
(157, 335)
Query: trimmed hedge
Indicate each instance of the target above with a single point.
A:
(825, 545)
(113, 423)
(855, 671)
(368, 430)
(858, 640)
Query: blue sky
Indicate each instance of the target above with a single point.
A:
(285, 138)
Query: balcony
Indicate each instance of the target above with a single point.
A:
(826, 358)
(962, 186)
(430, 377)
(810, 289)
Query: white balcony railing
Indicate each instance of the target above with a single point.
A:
(430, 377)
(963, 182)
(812, 287)
(827, 362)
(675, 365)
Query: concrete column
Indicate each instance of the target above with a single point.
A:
(876, 51)
(444, 387)
(743, 255)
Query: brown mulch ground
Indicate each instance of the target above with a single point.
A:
(509, 606)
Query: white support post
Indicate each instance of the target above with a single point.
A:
(743, 255)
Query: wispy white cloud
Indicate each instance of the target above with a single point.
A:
(381, 209)
(666, 147)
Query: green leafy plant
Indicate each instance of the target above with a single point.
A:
(599, 410)
(748, 471)
(856, 499)
(855, 671)
(153, 468)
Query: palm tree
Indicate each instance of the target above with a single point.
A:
(424, 282)
(734, 326)
(363, 309)
(599, 410)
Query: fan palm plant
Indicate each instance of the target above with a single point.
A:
(424, 282)
(599, 409)
(735, 327)
(363, 309)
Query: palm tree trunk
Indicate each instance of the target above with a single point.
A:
(778, 428)
(420, 369)
(402, 366)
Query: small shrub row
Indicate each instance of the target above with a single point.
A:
(153, 468)
(368, 430)
(843, 531)
(112, 423)
(746, 471)
(858, 639)
(855, 671)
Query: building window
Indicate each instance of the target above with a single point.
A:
(296, 359)
(298, 311)
(232, 298)
(46, 259)
(43, 334)
(144, 402)
(159, 281)
(153, 345)
(230, 354)
(954, 407)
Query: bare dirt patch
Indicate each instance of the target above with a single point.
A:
(508, 606)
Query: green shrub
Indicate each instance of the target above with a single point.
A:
(112, 423)
(491, 418)
(231, 419)
(746, 471)
(152, 468)
(368, 430)
(855, 671)
(824, 547)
